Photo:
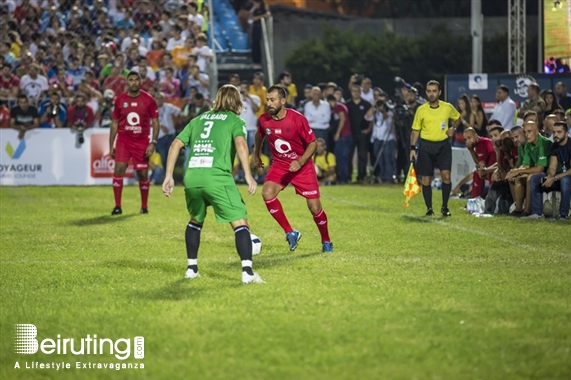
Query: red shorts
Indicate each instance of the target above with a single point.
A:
(304, 181)
(126, 149)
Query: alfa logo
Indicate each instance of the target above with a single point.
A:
(15, 154)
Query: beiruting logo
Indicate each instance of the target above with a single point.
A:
(25, 342)
(15, 154)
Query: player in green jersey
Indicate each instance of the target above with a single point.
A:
(213, 138)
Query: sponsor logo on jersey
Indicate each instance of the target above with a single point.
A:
(133, 104)
(283, 148)
(278, 131)
(203, 148)
(312, 192)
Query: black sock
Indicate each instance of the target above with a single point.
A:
(446, 189)
(192, 238)
(244, 248)
(427, 194)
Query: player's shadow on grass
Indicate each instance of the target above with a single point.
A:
(263, 262)
(178, 290)
(142, 265)
(423, 219)
(105, 219)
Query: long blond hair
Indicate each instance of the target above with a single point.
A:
(228, 98)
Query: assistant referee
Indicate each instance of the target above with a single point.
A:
(431, 124)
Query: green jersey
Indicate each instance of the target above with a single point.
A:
(538, 154)
(210, 140)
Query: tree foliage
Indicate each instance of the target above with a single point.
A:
(339, 54)
(422, 8)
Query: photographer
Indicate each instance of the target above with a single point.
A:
(80, 116)
(105, 111)
(53, 113)
(384, 141)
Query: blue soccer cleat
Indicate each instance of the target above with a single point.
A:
(292, 239)
(327, 247)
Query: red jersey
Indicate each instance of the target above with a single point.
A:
(288, 137)
(4, 117)
(11, 82)
(134, 115)
(485, 151)
(82, 115)
(342, 108)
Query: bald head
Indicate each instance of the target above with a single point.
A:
(549, 122)
(470, 137)
(531, 132)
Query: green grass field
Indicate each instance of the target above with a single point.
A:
(402, 297)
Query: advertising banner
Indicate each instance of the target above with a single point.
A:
(54, 157)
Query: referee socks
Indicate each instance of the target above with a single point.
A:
(427, 194)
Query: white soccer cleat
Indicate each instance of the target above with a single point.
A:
(254, 279)
(190, 274)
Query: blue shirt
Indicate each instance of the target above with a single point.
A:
(50, 123)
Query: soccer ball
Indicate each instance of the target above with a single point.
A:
(256, 245)
(436, 184)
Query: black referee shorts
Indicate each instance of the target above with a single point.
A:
(432, 155)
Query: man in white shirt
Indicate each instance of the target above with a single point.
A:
(384, 142)
(318, 114)
(167, 116)
(366, 90)
(197, 79)
(32, 84)
(251, 106)
(202, 51)
(194, 16)
(506, 108)
(176, 39)
(144, 69)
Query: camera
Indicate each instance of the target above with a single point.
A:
(54, 110)
(80, 125)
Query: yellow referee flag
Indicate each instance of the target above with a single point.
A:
(411, 186)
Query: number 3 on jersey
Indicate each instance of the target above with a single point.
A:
(208, 127)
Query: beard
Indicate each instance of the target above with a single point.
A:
(275, 110)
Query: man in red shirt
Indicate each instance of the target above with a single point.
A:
(484, 155)
(9, 83)
(80, 116)
(293, 144)
(343, 139)
(133, 115)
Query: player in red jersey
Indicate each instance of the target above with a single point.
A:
(135, 111)
(292, 143)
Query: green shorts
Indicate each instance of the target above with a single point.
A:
(226, 200)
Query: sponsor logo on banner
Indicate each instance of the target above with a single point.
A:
(12, 168)
(478, 81)
(115, 354)
(522, 82)
(101, 163)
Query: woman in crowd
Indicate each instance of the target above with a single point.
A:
(480, 120)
